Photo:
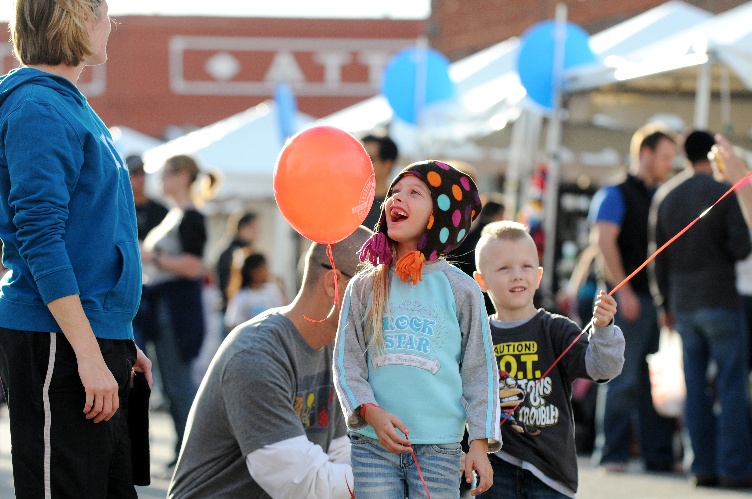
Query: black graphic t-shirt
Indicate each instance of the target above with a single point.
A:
(541, 430)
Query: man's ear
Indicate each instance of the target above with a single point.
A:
(540, 274)
(481, 281)
(328, 283)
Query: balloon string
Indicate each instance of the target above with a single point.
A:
(417, 467)
(330, 255)
(678, 235)
(627, 279)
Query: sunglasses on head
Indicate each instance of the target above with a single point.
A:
(327, 266)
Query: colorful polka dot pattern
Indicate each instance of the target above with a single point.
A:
(456, 203)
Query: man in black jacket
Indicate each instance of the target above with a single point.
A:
(696, 281)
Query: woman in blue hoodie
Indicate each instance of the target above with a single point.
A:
(68, 226)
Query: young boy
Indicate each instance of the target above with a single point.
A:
(539, 454)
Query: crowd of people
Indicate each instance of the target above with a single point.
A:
(392, 372)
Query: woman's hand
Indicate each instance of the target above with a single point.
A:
(142, 365)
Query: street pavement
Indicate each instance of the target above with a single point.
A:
(594, 483)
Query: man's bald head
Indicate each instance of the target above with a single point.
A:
(345, 255)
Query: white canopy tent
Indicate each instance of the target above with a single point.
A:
(696, 58)
(724, 38)
(242, 150)
(129, 141)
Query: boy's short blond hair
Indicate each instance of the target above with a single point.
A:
(52, 32)
(504, 230)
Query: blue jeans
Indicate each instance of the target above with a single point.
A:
(628, 396)
(721, 440)
(512, 482)
(380, 474)
(176, 374)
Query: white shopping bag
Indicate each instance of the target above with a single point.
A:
(667, 375)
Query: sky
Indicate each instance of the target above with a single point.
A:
(393, 9)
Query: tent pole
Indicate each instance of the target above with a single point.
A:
(514, 165)
(725, 103)
(702, 97)
(553, 137)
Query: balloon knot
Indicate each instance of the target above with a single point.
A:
(376, 250)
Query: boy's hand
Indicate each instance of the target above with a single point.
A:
(605, 309)
(384, 423)
(477, 460)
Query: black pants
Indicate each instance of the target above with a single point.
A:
(56, 451)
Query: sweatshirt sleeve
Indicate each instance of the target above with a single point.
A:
(604, 357)
(44, 157)
(480, 375)
(350, 366)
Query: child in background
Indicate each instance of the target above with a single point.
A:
(539, 456)
(413, 351)
(257, 292)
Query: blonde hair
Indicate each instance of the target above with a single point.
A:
(52, 32)
(504, 230)
(185, 163)
(373, 322)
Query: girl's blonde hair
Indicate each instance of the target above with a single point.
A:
(52, 32)
(374, 317)
(374, 320)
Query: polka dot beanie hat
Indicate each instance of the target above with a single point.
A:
(456, 204)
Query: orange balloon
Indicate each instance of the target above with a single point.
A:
(324, 183)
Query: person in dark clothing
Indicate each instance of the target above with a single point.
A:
(383, 153)
(620, 230)
(246, 231)
(696, 286)
(149, 213)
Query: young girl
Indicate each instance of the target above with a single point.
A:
(413, 355)
(257, 292)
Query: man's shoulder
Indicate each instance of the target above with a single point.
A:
(262, 336)
(681, 189)
(608, 205)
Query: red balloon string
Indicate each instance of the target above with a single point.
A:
(627, 279)
(417, 467)
(330, 255)
(678, 235)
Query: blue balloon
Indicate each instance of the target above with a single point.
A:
(535, 60)
(414, 77)
(287, 109)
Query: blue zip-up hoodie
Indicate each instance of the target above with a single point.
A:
(67, 217)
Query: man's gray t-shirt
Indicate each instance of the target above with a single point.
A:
(264, 385)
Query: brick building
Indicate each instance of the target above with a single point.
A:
(459, 28)
(193, 71)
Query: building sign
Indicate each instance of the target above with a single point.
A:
(323, 67)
